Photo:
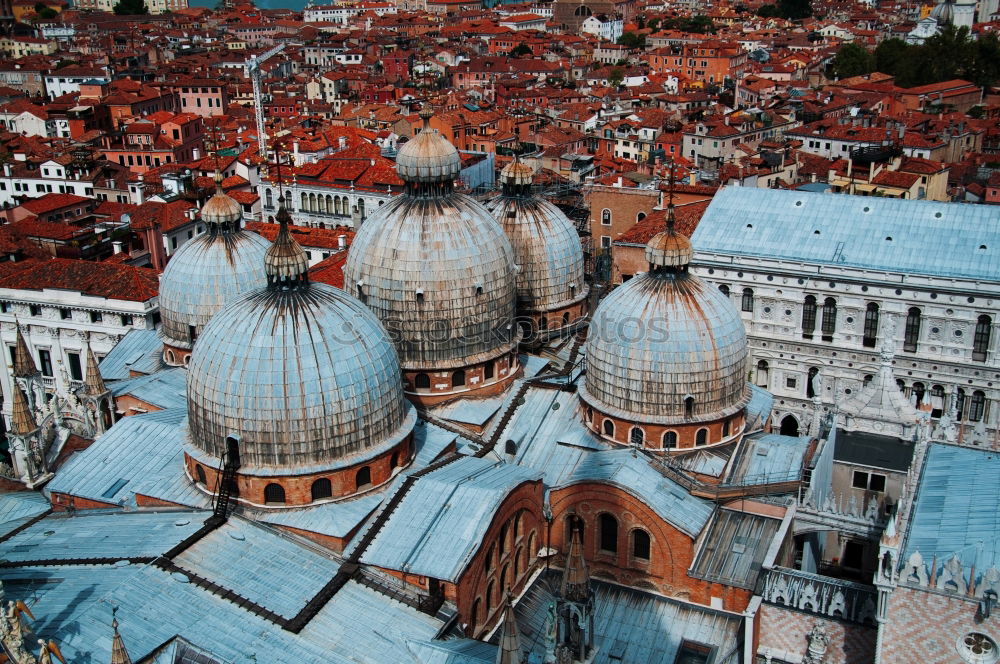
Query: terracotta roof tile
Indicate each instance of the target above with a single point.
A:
(109, 280)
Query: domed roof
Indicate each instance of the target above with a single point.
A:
(304, 375)
(439, 273)
(436, 268)
(547, 248)
(669, 249)
(428, 156)
(205, 274)
(660, 338)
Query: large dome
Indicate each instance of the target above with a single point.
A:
(546, 246)
(666, 347)
(302, 373)
(436, 267)
(205, 274)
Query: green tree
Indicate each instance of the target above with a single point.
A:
(653, 24)
(632, 40)
(891, 56)
(616, 77)
(131, 7)
(520, 50)
(793, 10)
(700, 24)
(853, 60)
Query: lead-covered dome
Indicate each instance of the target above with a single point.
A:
(209, 271)
(438, 271)
(547, 248)
(302, 373)
(666, 347)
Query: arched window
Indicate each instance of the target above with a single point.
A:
(609, 428)
(338, 205)
(911, 333)
(473, 618)
(977, 406)
(829, 318)
(808, 316)
(639, 217)
(763, 374)
(810, 382)
(960, 403)
(274, 494)
(608, 526)
(502, 539)
(565, 319)
(701, 437)
(640, 544)
(303, 201)
(747, 303)
(789, 426)
(637, 437)
(669, 440)
(688, 406)
(490, 558)
(981, 341)
(870, 337)
(321, 489)
(503, 586)
(422, 381)
(532, 550)
(606, 217)
(199, 472)
(489, 597)
(575, 523)
(363, 478)
(361, 208)
(724, 289)
(918, 390)
(937, 401)
(458, 378)
(268, 198)
(725, 429)
(868, 378)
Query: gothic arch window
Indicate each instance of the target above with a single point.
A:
(637, 437)
(747, 300)
(640, 544)
(363, 478)
(763, 373)
(609, 428)
(608, 533)
(911, 333)
(870, 336)
(981, 340)
(701, 438)
(422, 381)
(977, 406)
(321, 489)
(199, 473)
(829, 325)
(808, 316)
(274, 494)
(669, 440)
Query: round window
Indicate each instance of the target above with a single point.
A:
(977, 648)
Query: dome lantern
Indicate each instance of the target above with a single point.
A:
(221, 212)
(428, 163)
(668, 250)
(285, 262)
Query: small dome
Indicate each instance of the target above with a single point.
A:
(669, 249)
(517, 173)
(285, 262)
(206, 273)
(220, 208)
(661, 338)
(547, 248)
(428, 157)
(307, 378)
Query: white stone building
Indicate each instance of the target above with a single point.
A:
(817, 276)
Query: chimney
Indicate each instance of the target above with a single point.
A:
(116, 247)
(341, 242)
(850, 166)
(195, 154)
(871, 171)
(191, 213)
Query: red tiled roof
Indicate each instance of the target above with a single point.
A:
(50, 202)
(330, 271)
(109, 280)
(307, 236)
(687, 218)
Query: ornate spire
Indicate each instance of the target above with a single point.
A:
(93, 384)
(22, 421)
(510, 639)
(24, 364)
(670, 198)
(119, 655)
(576, 578)
(285, 263)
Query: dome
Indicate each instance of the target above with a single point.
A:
(669, 249)
(435, 267)
(547, 248)
(662, 338)
(428, 157)
(302, 373)
(205, 274)
(221, 209)
(439, 273)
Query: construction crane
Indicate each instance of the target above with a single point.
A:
(253, 71)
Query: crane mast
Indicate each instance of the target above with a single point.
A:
(253, 71)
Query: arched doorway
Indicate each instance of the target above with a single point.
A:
(789, 426)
